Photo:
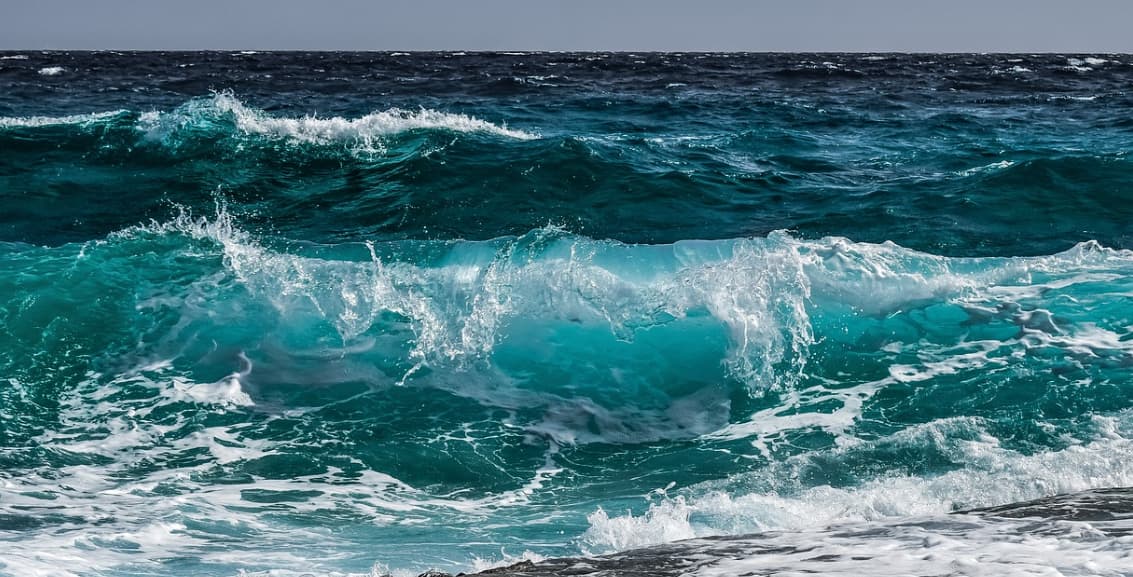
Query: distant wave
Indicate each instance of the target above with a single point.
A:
(225, 115)
(76, 119)
(365, 131)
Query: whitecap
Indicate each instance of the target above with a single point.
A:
(364, 133)
(51, 71)
(38, 121)
(995, 166)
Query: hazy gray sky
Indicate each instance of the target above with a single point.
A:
(779, 25)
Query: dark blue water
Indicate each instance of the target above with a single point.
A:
(343, 313)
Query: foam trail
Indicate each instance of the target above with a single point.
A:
(77, 119)
(364, 132)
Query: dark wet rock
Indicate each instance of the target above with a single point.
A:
(1108, 509)
(521, 566)
(1098, 505)
(668, 560)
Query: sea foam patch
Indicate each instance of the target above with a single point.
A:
(994, 475)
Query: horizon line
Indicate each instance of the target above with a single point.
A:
(543, 51)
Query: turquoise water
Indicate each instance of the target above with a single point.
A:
(359, 313)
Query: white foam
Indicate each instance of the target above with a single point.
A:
(995, 166)
(762, 427)
(225, 392)
(505, 560)
(52, 71)
(1079, 65)
(993, 476)
(15, 57)
(130, 517)
(365, 133)
(663, 523)
(39, 121)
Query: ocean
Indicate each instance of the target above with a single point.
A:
(339, 314)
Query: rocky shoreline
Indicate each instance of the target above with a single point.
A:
(1109, 511)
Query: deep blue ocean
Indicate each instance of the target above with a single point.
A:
(374, 313)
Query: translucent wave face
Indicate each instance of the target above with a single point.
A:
(457, 302)
(240, 389)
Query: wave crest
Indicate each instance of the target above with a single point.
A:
(363, 133)
(75, 119)
(466, 302)
(224, 116)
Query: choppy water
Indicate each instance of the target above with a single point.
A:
(353, 313)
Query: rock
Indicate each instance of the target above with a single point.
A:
(521, 566)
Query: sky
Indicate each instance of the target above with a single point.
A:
(630, 25)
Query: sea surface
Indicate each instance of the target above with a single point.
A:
(366, 313)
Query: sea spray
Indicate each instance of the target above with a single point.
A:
(339, 314)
